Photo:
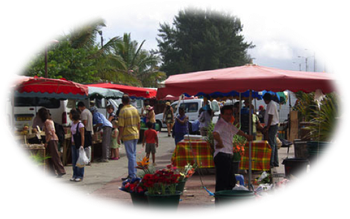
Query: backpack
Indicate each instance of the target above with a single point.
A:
(59, 132)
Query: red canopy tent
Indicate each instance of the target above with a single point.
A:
(52, 88)
(44, 87)
(243, 78)
(138, 92)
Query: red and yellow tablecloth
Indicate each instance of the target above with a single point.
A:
(194, 151)
(199, 152)
(261, 154)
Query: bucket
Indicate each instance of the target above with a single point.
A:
(165, 201)
(157, 128)
(292, 166)
(232, 196)
(139, 199)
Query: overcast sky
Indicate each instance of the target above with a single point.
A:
(276, 45)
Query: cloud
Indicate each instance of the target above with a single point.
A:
(141, 26)
(276, 45)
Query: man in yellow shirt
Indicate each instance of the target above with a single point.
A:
(129, 126)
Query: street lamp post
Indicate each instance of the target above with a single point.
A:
(48, 42)
(314, 51)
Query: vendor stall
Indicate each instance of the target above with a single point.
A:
(242, 79)
(49, 88)
(194, 151)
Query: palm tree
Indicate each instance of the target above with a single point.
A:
(325, 119)
(139, 65)
(85, 36)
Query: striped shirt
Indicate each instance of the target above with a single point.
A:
(129, 119)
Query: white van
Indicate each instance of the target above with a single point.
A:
(25, 109)
(192, 107)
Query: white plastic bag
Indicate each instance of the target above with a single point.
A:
(83, 159)
(239, 187)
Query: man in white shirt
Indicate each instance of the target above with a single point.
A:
(223, 143)
(271, 120)
(86, 119)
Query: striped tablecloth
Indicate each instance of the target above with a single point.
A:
(194, 151)
(261, 154)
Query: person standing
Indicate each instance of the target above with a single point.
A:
(114, 141)
(168, 117)
(181, 125)
(110, 110)
(205, 117)
(151, 116)
(129, 129)
(51, 143)
(271, 120)
(78, 141)
(150, 137)
(86, 119)
(100, 121)
(223, 134)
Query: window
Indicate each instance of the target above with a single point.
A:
(34, 101)
(190, 107)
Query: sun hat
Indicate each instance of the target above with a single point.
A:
(148, 107)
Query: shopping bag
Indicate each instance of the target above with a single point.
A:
(83, 160)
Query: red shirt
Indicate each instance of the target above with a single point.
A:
(150, 136)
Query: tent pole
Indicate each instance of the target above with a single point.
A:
(13, 110)
(250, 143)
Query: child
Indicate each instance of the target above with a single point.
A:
(151, 139)
(114, 143)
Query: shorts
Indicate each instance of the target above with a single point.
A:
(150, 148)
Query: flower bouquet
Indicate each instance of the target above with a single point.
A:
(187, 171)
(133, 186)
(162, 182)
(238, 147)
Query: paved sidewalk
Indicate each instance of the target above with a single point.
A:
(103, 180)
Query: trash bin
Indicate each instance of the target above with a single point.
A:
(294, 166)
(300, 149)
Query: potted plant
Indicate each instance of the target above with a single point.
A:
(209, 138)
(161, 188)
(238, 151)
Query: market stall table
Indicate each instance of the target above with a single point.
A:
(261, 154)
(197, 151)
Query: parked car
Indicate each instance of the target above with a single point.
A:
(192, 107)
(25, 109)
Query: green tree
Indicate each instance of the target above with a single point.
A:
(78, 57)
(85, 37)
(139, 66)
(202, 40)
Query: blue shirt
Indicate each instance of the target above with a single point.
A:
(99, 118)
